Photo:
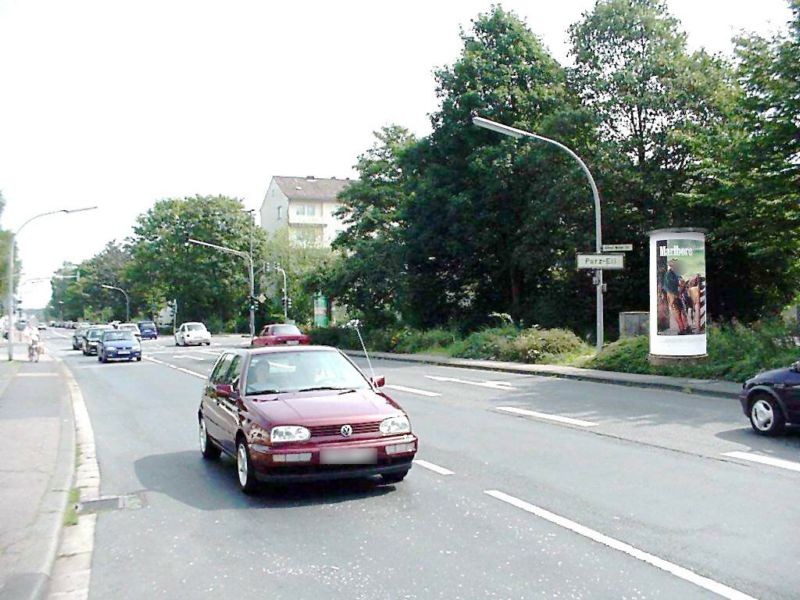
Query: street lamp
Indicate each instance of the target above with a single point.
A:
(249, 259)
(10, 291)
(598, 233)
(127, 300)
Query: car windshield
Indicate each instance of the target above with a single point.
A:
(95, 334)
(195, 327)
(117, 336)
(129, 327)
(147, 324)
(285, 330)
(302, 371)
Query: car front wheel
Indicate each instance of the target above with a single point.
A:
(244, 468)
(766, 417)
(207, 447)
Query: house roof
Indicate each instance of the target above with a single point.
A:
(311, 188)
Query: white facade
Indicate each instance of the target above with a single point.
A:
(306, 205)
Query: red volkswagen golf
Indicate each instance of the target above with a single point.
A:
(299, 414)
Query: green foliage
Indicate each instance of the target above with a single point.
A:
(735, 353)
(532, 345)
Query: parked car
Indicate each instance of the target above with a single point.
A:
(771, 400)
(300, 414)
(77, 337)
(132, 327)
(192, 333)
(148, 330)
(120, 344)
(281, 334)
(41, 327)
(92, 337)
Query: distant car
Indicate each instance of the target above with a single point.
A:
(300, 414)
(41, 327)
(132, 327)
(771, 400)
(281, 335)
(192, 333)
(148, 330)
(92, 337)
(77, 337)
(118, 345)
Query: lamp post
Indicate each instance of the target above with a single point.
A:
(127, 299)
(598, 233)
(251, 274)
(10, 292)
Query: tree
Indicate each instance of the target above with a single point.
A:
(209, 285)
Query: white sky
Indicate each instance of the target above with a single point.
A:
(118, 104)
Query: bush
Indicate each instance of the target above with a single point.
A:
(411, 341)
(487, 344)
(542, 345)
(338, 337)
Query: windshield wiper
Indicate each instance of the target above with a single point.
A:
(326, 387)
(260, 392)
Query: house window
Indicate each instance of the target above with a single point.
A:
(279, 212)
(305, 210)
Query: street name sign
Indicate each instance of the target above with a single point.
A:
(617, 247)
(601, 261)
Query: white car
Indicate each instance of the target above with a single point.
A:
(192, 333)
(132, 327)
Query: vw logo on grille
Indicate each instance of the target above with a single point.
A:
(346, 430)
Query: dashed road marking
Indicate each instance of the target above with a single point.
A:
(410, 390)
(681, 572)
(495, 385)
(177, 368)
(432, 467)
(765, 460)
(545, 416)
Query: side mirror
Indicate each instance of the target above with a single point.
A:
(796, 366)
(224, 390)
(378, 381)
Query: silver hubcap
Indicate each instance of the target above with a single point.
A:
(203, 438)
(762, 415)
(241, 463)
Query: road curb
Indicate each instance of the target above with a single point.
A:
(71, 569)
(547, 371)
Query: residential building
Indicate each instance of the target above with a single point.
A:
(306, 205)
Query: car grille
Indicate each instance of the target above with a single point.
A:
(331, 430)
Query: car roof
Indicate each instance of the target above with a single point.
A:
(284, 349)
(193, 323)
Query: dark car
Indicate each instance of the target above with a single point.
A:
(77, 337)
(281, 335)
(118, 344)
(301, 414)
(92, 337)
(148, 330)
(771, 400)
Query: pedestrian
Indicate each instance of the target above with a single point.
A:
(672, 287)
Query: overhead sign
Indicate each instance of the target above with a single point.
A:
(601, 261)
(617, 247)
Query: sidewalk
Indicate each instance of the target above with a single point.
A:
(37, 449)
(704, 387)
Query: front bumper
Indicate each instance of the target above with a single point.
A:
(745, 401)
(116, 355)
(91, 348)
(268, 470)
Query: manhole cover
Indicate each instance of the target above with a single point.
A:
(126, 502)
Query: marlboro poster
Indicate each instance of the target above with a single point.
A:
(677, 293)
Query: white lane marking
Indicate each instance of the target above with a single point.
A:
(37, 375)
(681, 572)
(200, 358)
(401, 388)
(432, 467)
(539, 415)
(765, 460)
(181, 369)
(495, 385)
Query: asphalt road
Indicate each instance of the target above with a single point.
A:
(599, 491)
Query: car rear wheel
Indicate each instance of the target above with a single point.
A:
(207, 447)
(394, 477)
(244, 468)
(766, 417)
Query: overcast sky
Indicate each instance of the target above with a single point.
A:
(118, 104)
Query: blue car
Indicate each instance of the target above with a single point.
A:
(118, 345)
(148, 330)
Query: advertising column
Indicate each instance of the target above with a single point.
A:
(678, 293)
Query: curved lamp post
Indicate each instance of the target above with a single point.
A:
(127, 299)
(10, 291)
(598, 230)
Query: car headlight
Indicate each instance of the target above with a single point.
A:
(289, 433)
(394, 425)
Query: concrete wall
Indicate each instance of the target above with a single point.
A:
(273, 219)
